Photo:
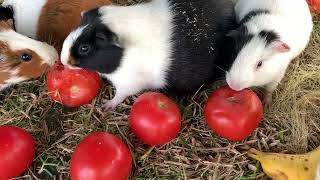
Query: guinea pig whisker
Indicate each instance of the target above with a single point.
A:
(220, 68)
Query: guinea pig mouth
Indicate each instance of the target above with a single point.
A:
(73, 67)
(233, 85)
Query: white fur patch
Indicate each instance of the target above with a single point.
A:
(9, 82)
(17, 41)
(26, 15)
(15, 80)
(68, 43)
(4, 86)
(145, 32)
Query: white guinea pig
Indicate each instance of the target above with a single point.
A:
(49, 20)
(270, 34)
(22, 58)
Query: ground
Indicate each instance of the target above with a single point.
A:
(291, 125)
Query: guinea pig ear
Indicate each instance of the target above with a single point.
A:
(280, 47)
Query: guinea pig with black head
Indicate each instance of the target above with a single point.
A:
(162, 44)
(271, 33)
(49, 20)
(22, 58)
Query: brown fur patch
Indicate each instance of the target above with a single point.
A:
(5, 25)
(4, 75)
(5, 66)
(29, 70)
(60, 17)
(71, 61)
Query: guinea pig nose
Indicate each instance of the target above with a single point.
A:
(235, 86)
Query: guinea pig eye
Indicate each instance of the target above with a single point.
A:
(25, 57)
(260, 63)
(84, 49)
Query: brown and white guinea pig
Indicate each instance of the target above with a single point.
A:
(22, 58)
(271, 33)
(49, 20)
(162, 44)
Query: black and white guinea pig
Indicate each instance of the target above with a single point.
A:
(269, 36)
(49, 20)
(162, 44)
(22, 58)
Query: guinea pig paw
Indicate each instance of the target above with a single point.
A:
(267, 100)
(108, 105)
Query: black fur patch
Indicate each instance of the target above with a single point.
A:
(6, 13)
(198, 38)
(104, 55)
(269, 36)
(252, 14)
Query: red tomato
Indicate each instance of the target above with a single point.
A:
(233, 115)
(72, 87)
(155, 119)
(17, 151)
(314, 5)
(101, 156)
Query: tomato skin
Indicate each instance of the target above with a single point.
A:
(17, 151)
(155, 119)
(314, 5)
(72, 87)
(101, 156)
(233, 115)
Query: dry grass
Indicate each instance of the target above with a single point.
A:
(297, 102)
(291, 125)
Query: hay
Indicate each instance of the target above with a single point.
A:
(296, 104)
(291, 125)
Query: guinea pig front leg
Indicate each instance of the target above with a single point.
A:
(270, 88)
(267, 94)
(122, 92)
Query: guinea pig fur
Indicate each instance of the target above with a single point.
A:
(270, 34)
(22, 58)
(49, 20)
(162, 44)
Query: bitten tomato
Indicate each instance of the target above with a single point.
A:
(233, 115)
(155, 119)
(314, 5)
(72, 87)
(101, 156)
(17, 151)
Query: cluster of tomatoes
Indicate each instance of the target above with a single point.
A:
(154, 118)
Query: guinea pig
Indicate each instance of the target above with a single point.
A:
(270, 34)
(49, 20)
(162, 44)
(22, 58)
